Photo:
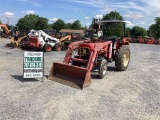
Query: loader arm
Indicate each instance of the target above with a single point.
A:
(5, 27)
(92, 59)
(68, 37)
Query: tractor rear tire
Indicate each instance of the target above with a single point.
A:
(103, 68)
(47, 48)
(122, 58)
(58, 47)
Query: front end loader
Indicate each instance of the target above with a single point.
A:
(16, 43)
(84, 56)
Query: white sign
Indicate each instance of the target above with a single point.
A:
(33, 64)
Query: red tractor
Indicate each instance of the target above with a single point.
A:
(157, 41)
(84, 56)
(149, 40)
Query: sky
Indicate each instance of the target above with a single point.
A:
(137, 12)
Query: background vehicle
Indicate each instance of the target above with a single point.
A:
(4, 31)
(21, 42)
(149, 40)
(9, 31)
(43, 41)
(84, 56)
(65, 38)
(50, 32)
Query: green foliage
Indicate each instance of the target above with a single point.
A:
(69, 26)
(84, 28)
(113, 29)
(36, 22)
(41, 23)
(32, 21)
(49, 26)
(154, 29)
(138, 31)
(128, 32)
(28, 22)
(0, 22)
(113, 15)
(58, 25)
(76, 25)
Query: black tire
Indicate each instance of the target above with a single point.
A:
(122, 58)
(58, 47)
(47, 48)
(103, 68)
(13, 45)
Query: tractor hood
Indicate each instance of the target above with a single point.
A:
(91, 46)
(87, 45)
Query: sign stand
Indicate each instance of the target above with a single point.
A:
(43, 68)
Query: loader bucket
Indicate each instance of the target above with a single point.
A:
(73, 76)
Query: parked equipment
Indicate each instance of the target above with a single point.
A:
(17, 43)
(84, 56)
(65, 38)
(43, 41)
(157, 42)
(50, 32)
(149, 40)
(10, 31)
(4, 31)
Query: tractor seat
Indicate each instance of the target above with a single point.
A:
(113, 39)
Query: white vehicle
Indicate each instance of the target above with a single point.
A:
(43, 41)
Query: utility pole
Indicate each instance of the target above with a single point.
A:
(159, 31)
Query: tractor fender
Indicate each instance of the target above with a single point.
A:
(125, 41)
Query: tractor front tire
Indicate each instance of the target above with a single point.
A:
(103, 68)
(47, 48)
(58, 47)
(122, 58)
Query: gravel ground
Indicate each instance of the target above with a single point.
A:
(129, 95)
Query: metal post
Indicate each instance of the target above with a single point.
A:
(92, 33)
(124, 29)
(159, 31)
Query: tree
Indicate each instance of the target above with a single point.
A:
(138, 31)
(42, 23)
(0, 22)
(28, 22)
(69, 25)
(154, 29)
(113, 29)
(128, 32)
(113, 15)
(76, 25)
(58, 25)
(49, 26)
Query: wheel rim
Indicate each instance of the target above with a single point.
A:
(126, 58)
(58, 48)
(104, 69)
(48, 48)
